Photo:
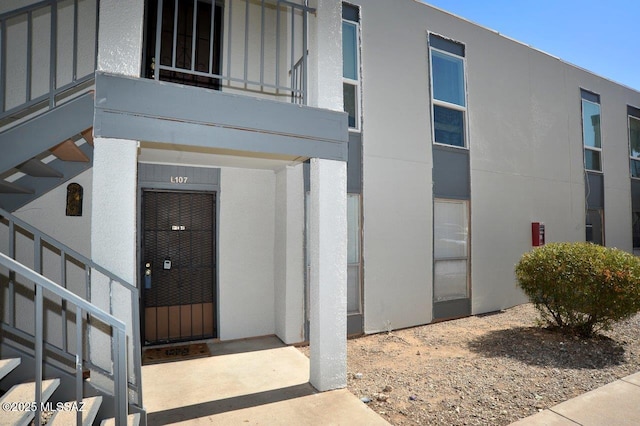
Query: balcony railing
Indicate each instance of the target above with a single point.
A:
(47, 51)
(255, 46)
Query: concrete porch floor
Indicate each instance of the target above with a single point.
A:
(249, 382)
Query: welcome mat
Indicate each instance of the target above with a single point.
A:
(175, 353)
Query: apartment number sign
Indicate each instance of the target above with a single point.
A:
(179, 179)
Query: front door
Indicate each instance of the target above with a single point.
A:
(178, 266)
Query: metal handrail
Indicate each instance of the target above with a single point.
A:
(118, 340)
(239, 73)
(67, 253)
(55, 90)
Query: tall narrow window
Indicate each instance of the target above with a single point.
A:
(634, 145)
(353, 254)
(591, 131)
(448, 91)
(351, 63)
(450, 250)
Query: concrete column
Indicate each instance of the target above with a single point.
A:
(113, 210)
(325, 55)
(328, 286)
(120, 36)
(289, 254)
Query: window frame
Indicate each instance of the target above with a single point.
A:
(632, 158)
(445, 104)
(348, 81)
(466, 257)
(584, 145)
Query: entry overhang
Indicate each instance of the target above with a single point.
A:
(149, 110)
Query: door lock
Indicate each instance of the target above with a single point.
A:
(147, 275)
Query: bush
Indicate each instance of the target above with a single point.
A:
(581, 287)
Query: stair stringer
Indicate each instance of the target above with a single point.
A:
(51, 369)
(29, 139)
(43, 185)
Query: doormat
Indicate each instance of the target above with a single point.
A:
(175, 353)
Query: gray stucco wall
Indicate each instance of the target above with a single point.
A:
(526, 158)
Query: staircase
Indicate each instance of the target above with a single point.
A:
(17, 411)
(59, 413)
(47, 65)
(45, 152)
(58, 350)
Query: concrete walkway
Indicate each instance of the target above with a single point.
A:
(615, 404)
(248, 382)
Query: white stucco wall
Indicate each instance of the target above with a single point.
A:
(396, 168)
(47, 213)
(245, 257)
(526, 158)
(289, 254)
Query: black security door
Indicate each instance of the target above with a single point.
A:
(178, 266)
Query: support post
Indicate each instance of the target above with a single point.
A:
(328, 286)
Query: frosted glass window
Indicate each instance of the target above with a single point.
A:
(448, 78)
(353, 228)
(353, 289)
(450, 230)
(349, 50)
(450, 280)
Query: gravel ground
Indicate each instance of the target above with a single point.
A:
(488, 369)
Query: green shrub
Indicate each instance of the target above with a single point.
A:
(581, 287)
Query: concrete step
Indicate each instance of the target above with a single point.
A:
(132, 420)
(20, 396)
(7, 365)
(89, 408)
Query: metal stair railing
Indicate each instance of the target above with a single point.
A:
(82, 307)
(20, 66)
(69, 255)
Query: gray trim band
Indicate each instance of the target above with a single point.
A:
(137, 109)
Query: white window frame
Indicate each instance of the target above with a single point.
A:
(352, 82)
(591, 148)
(357, 264)
(466, 257)
(449, 105)
(631, 157)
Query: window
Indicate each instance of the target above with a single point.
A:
(448, 91)
(595, 228)
(190, 41)
(634, 145)
(351, 63)
(450, 250)
(636, 232)
(353, 254)
(591, 131)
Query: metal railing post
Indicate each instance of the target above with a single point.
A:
(3, 63)
(53, 52)
(120, 376)
(29, 54)
(156, 67)
(39, 319)
(79, 358)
